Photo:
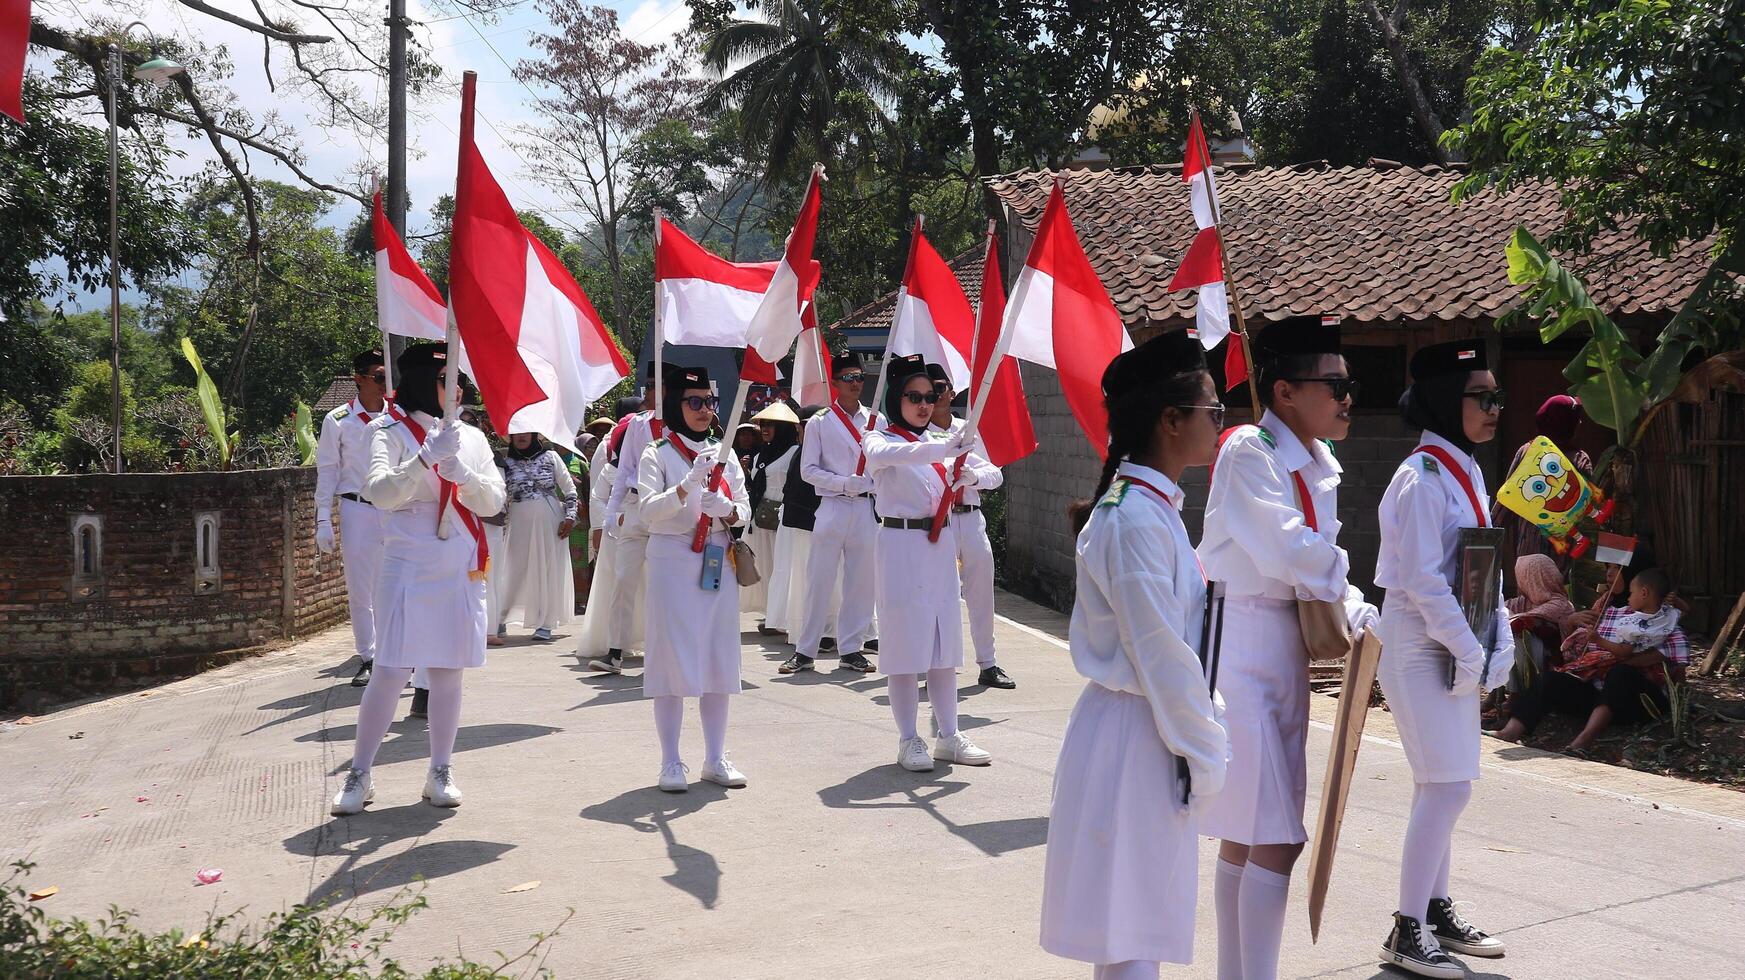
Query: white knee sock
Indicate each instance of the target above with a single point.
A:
(376, 712)
(1435, 809)
(942, 695)
(445, 687)
(713, 708)
(1263, 920)
(1126, 970)
(669, 717)
(905, 692)
(1226, 887)
(1441, 889)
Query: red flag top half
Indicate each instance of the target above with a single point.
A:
(1006, 430)
(14, 45)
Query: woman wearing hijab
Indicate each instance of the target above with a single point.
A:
(916, 585)
(1119, 881)
(1556, 420)
(1435, 493)
(429, 477)
(779, 430)
(539, 590)
(594, 643)
(787, 584)
(692, 607)
(1541, 592)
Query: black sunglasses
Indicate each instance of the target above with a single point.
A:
(921, 397)
(1488, 401)
(697, 403)
(1342, 388)
(379, 377)
(851, 378)
(1215, 411)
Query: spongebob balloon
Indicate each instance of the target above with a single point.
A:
(1551, 495)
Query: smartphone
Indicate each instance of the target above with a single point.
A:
(713, 557)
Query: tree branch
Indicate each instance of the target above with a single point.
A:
(243, 22)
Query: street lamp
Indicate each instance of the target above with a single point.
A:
(159, 70)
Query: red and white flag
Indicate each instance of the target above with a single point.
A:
(532, 341)
(811, 382)
(1005, 428)
(704, 299)
(1061, 317)
(1202, 267)
(932, 316)
(14, 45)
(407, 302)
(775, 325)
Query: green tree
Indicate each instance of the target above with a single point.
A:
(143, 356)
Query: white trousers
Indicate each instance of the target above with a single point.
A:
(360, 551)
(621, 630)
(842, 537)
(975, 566)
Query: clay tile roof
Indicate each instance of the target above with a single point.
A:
(875, 317)
(341, 390)
(1379, 243)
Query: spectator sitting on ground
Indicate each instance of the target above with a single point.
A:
(1615, 671)
(1537, 616)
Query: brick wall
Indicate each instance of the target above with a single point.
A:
(1039, 541)
(146, 606)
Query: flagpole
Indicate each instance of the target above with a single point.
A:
(659, 332)
(879, 385)
(387, 342)
(975, 339)
(451, 375)
(1229, 280)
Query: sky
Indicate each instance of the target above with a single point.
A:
(457, 43)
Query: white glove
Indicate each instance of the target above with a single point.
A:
(324, 535)
(860, 484)
(717, 504)
(966, 479)
(700, 469)
(442, 445)
(962, 441)
(1365, 617)
(1465, 681)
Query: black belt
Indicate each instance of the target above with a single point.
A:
(354, 498)
(908, 523)
(965, 508)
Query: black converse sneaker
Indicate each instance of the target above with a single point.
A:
(1411, 948)
(1457, 934)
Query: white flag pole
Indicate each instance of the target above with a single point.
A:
(659, 334)
(387, 342)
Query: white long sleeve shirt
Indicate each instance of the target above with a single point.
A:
(830, 453)
(603, 478)
(623, 502)
(1421, 516)
(658, 477)
(342, 454)
(988, 476)
(399, 479)
(1257, 539)
(1136, 621)
(906, 484)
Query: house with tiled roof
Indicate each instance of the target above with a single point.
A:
(1383, 246)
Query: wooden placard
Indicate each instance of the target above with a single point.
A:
(1724, 639)
(1359, 680)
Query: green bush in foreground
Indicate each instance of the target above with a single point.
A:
(305, 943)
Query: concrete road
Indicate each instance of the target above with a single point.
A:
(832, 862)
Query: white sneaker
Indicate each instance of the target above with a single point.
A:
(959, 749)
(912, 755)
(439, 787)
(672, 778)
(722, 772)
(354, 794)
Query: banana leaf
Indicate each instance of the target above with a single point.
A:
(305, 428)
(210, 406)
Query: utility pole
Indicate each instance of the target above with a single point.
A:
(396, 199)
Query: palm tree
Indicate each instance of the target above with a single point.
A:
(789, 71)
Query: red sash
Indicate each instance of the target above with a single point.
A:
(1167, 503)
(872, 419)
(449, 496)
(365, 416)
(716, 479)
(938, 468)
(1459, 473)
(1306, 504)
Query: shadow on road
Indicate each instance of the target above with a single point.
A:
(375, 831)
(649, 811)
(888, 787)
(406, 739)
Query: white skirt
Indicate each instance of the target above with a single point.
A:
(497, 538)
(755, 598)
(693, 632)
(430, 612)
(787, 603)
(1439, 729)
(1122, 866)
(539, 588)
(1264, 678)
(596, 632)
(917, 597)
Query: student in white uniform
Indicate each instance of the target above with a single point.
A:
(693, 597)
(1439, 489)
(975, 553)
(342, 459)
(780, 429)
(832, 459)
(624, 521)
(1271, 535)
(787, 591)
(916, 579)
(1122, 864)
(431, 600)
(594, 645)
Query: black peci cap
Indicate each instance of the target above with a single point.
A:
(362, 363)
(1163, 355)
(1455, 357)
(1308, 334)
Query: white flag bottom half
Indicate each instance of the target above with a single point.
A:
(403, 308)
(705, 313)
(914, 332)
(1212, 317)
